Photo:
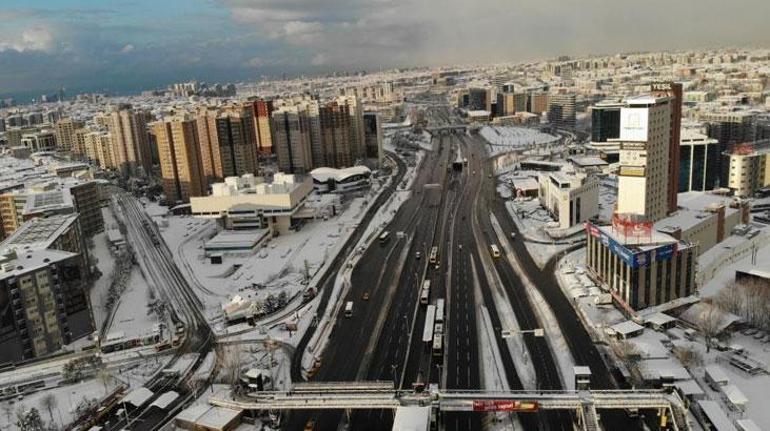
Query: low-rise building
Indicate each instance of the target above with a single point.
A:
(571, 198)
(704, 219)
(330, 180)
(641, 266)
(749, 170)
(249, 203)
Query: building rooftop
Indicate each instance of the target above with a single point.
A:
(17, 262)
(48, 201)
(645, 242)
(645, 99)
(39, 233)
(627, 327)
(716, 415)
(324, 174)
(588, 161)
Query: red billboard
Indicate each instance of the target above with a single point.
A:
(504, 406)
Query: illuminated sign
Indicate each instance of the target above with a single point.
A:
(632, 171)
(660, 86)
(504, 406)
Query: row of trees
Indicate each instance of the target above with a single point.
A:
(749, 300)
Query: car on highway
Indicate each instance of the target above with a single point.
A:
(365, 296)
(418, 255)
(310, 425)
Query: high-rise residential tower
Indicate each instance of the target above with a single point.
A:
(672, 90)
(128, 128)
(373, 138)
(291, 138)
(561, 110)
(178, 148)
(263, 110)
(65, 133)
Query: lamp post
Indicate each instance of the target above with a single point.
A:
(510, 333)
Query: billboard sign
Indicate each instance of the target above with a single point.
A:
(504, 406)
(632, 258)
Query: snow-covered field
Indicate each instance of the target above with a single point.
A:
(506, 138)
(278, 267)
(105, 262)
(66, 399)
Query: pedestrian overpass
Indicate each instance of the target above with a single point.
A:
(381, 395)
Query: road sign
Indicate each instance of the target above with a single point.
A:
(504, 406)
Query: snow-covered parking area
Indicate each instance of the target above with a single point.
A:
(505, 138)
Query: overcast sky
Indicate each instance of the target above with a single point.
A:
(126, 45)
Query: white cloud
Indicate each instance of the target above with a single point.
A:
(319, 60)
(127, 48)
(292, 28)
(37, 38)
(255, 62)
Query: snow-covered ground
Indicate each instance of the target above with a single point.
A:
(105, 262)
(656, 357)
(507, 138)
(727, 273)
(66, 399)
(278, 267)
(131, 315)
(531, 220)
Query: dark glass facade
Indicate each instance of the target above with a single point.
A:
(605, 124)
(698, 167)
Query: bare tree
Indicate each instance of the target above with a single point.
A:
(105, 378)
(8, 410)
(748, 299)
(629, 355)
(29, 420)
(688, 356)
(49, 403)
(710, 322)
(230, 365)
(306, 271)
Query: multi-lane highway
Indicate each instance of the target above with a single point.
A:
(382, 339)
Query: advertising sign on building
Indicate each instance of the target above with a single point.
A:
(504, 406)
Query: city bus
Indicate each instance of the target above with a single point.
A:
(349, 309)
(495, 250)
(425, 292)
(438, 344)
(440, 310)
(384, 237)
(430, 318)
(434, 256)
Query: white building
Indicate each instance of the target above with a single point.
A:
(749, 170)
(330, 180)
(249, 203)
(571, 198)
(645, 124)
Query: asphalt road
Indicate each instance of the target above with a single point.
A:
(368, 344)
